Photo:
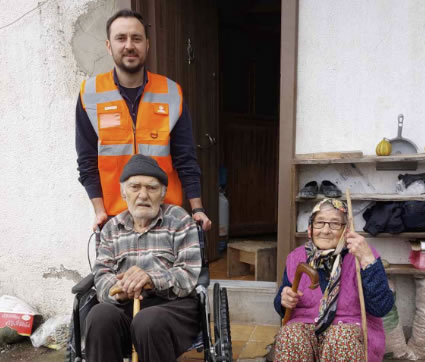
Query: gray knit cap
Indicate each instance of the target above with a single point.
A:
(140, 165)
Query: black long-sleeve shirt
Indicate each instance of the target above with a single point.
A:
(182, 147)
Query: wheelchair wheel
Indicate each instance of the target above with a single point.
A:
(222, 337)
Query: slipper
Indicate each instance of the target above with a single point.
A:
(328, 189)
(309, 191)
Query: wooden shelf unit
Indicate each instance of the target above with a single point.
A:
(371, 197)
(420, 157)
(399, 269)
(301, 161)
(409, 235)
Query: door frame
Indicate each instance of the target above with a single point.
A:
(286, 218)
(287, 119)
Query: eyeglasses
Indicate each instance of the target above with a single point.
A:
(333, 225)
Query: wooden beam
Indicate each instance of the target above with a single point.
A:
(288, 89)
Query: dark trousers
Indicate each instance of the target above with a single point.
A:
(161, 331)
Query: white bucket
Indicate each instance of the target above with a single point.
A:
(223, 216)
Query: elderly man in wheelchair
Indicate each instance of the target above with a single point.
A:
(149, 252)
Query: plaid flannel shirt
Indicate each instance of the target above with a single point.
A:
(168, 251)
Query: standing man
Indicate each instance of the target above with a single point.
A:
(131, 111)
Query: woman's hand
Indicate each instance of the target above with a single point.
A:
(289, 298)
(358, 246)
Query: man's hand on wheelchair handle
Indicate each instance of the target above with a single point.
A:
(133, 281)
(100, 212)
(203, 218)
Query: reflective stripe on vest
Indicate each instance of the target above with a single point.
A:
(159, 111)
(115, 150)
(154, 150)
(91, 99)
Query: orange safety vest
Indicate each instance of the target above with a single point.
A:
(159, 109)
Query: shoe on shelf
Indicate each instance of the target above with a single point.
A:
(328, 189)
(309, 191)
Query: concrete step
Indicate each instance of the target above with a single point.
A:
(250, 302)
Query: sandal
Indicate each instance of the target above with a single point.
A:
(309, 191)
(328, 189)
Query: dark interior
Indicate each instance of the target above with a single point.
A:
(249, 63)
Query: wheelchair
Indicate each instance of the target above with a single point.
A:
(219, 349)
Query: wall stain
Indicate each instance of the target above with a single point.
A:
(64, 273)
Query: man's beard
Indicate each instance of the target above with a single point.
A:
(130, 70)
(119, 62)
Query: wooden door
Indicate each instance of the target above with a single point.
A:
(184, 47)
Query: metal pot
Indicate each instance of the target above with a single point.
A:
(400, 145)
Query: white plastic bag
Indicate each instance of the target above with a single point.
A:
(53, 333)
(415, 188)
(395, 342)
(16, 319)
(417, 341)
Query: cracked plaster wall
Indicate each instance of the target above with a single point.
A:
(360, 64)
(48, 48)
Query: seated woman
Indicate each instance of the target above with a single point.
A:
(326, 321)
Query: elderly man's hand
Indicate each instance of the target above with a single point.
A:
(133, 281)
(201, 217)
(121, 296)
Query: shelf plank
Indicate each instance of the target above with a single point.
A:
(420, 157)
(408, 235)
(403, 269)
(371, 197)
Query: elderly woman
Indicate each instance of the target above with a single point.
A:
(326, 321)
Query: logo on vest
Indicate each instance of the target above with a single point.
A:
(109, 108)
(154, 134)
(161, 108)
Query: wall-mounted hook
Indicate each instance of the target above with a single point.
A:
(190, 52)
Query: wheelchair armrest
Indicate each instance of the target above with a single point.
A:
(84, 285)
(204, 277)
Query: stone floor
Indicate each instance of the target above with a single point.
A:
(248, 343)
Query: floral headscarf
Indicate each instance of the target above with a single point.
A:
(330, 260)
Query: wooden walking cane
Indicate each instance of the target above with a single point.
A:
(314, 277)
(136, 309)
(359, 277)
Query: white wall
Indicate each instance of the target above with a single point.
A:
(45, 215)
(360, 64)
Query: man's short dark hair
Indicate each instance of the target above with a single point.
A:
(125, 13)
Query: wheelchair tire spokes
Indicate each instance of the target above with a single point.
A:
(225, 326)
(217, 319)
(222, 337)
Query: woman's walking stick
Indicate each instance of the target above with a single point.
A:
(314, 277)
(359, 277)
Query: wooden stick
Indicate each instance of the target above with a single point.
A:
(359, 277)
(314, 277)
(136, 309)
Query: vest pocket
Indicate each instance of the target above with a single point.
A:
(109, 120)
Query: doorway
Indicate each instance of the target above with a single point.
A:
(249, 77)
(227, 57)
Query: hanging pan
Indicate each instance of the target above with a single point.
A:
(400, 145)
